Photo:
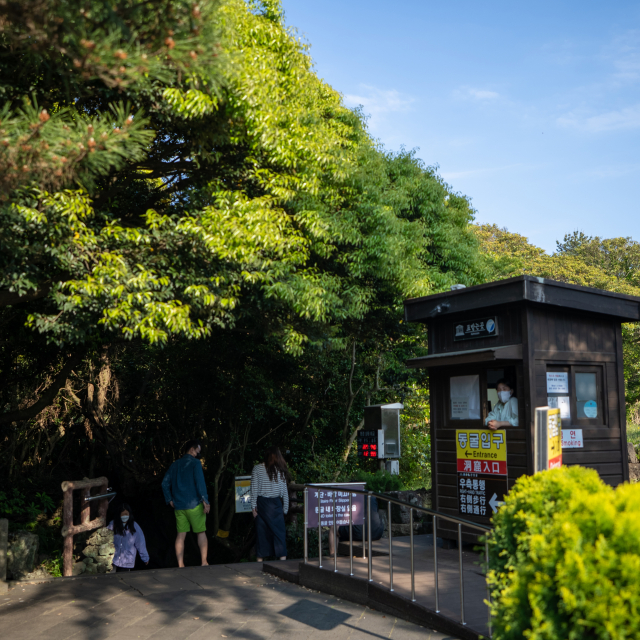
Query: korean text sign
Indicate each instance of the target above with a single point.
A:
(554, 426)
(320, 502)
(481, 451)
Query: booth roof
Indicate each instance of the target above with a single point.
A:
(524, 289)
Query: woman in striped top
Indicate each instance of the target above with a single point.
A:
(268, 494)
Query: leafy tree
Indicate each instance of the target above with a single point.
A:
(205, 242)
(609, 264)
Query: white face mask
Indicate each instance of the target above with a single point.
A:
(124, 518)
(504, 396)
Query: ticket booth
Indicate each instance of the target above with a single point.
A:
(550, 344)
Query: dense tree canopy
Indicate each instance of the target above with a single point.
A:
(197, 238)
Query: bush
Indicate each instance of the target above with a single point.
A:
(565, 559)
(380, 481)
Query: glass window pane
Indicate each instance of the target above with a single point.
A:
(465, 397)
(587, 395)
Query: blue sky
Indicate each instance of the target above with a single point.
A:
(530, 109)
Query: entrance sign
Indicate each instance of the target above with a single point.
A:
(572, 439)
(320, 503)
(471, 329)
(243, 494)
(548, 439)
(557, 382)
(481, 451)
(480, 495)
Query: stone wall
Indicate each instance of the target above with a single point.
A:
(98, 553)
(22, 553)
(400, 518)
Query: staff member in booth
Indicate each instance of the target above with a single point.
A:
(505, 413)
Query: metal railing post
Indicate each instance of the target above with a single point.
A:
(369, 549)
(435, 564)
(306, 523)
(413, 575)
(367, 539)
(319, 535)
(335, 535)
(461, 575)
(390, 547)
(351, 536)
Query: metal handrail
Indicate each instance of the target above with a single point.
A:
(391, 500)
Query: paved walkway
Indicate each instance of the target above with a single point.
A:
(221, 601)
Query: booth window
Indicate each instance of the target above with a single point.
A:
(464, 394)
(577, 392)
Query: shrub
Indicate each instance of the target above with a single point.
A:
(565, 559)
(380, 481)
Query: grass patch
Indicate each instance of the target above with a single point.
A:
(633, 433)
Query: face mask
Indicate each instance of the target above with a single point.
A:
(504, 396)
(124, 518)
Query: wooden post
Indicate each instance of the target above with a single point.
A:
(86, 524)
(67, 523)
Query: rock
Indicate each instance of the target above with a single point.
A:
(631, 452)
(39, 574)
(22, 552)
(634, 472)
(91, 568)
(88, 560)
(106, 549)
(91, 552)
(400, 513)
(102, 568)
(78, 568)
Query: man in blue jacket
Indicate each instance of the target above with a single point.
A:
(185, 490)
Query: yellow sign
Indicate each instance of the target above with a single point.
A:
(554, 426)
(243, 494)
(481, 451)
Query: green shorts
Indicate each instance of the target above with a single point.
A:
(187, 519)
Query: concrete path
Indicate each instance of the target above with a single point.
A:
(221, 601)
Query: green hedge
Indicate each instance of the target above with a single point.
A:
(564, 559)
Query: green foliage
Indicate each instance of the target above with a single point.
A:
(14, 504)
(564, 559)
(54, 565)
(380, 481)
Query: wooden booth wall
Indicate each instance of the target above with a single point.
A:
(573, 338)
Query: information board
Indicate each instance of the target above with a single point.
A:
(243, 494)
(557, 382)
(320, 503)
(480, 495)
(555, 438)
(481, 328)
(481, 451)
(482, 471)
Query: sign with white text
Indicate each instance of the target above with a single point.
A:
(321, 500)
(572, 439)
(480, 495)
(557, 382)
(470, 329)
